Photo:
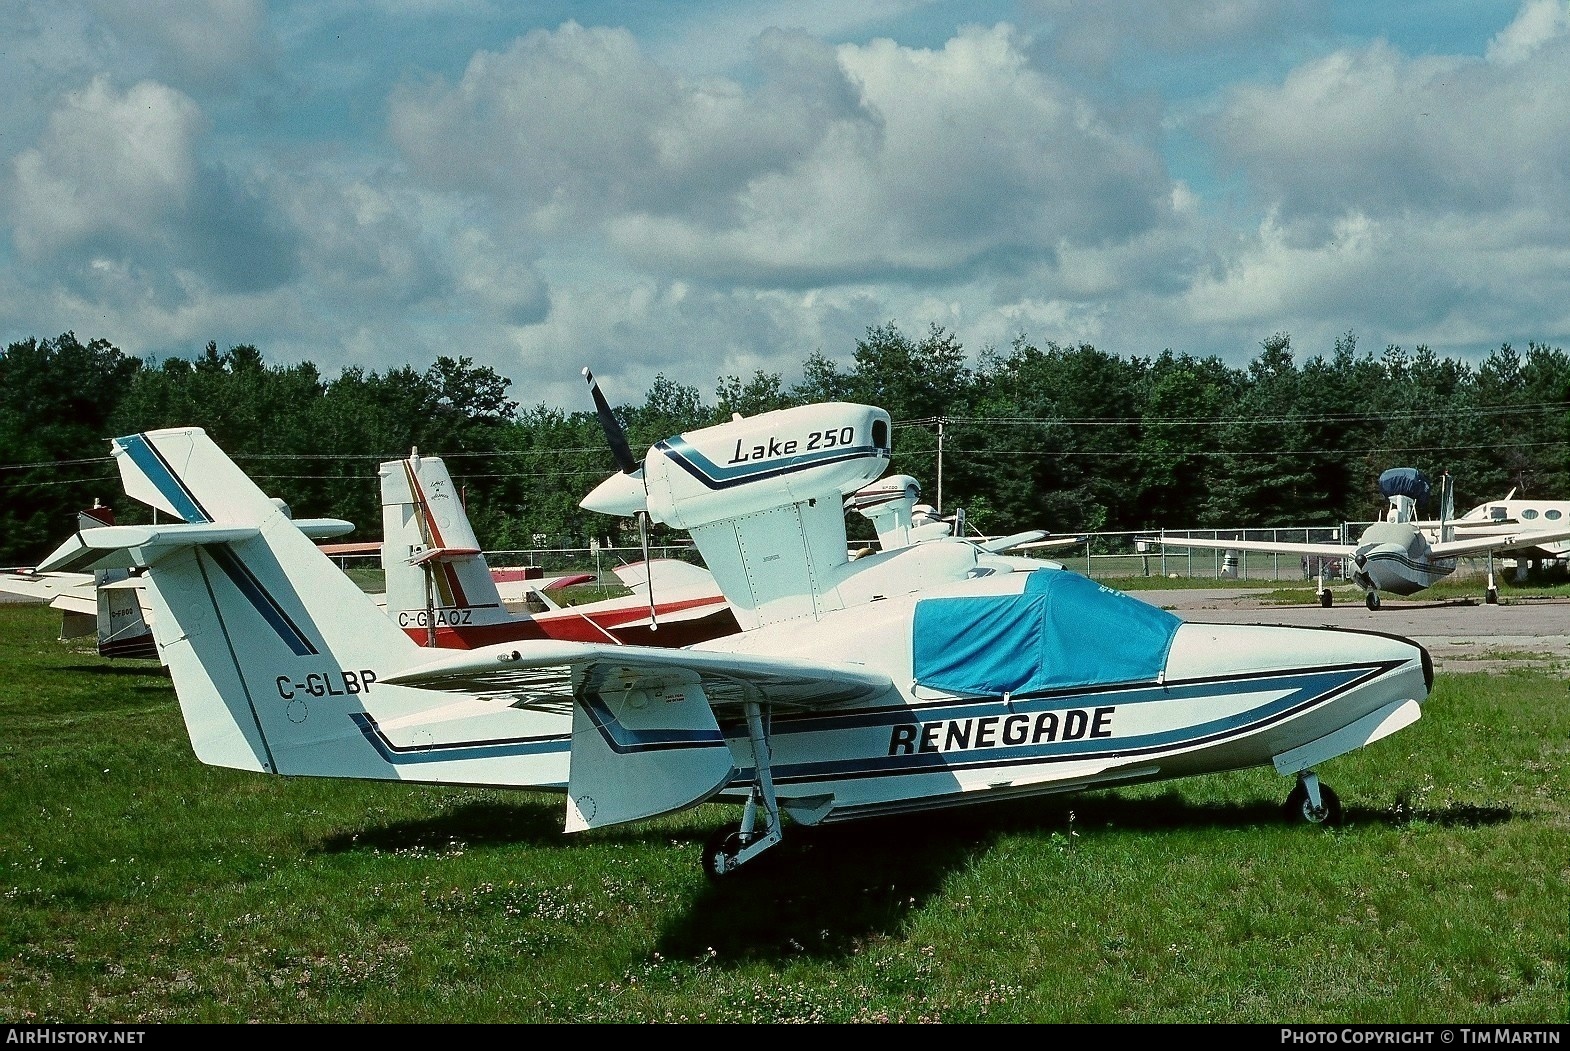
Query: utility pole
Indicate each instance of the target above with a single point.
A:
(941, 421)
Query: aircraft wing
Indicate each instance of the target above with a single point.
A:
(68, 592)
(998, 544)
(645, 736)
(1051, 542)
(1283, 547)
(669, 575)
(1522, 539)
(369, 547)
(548, 671)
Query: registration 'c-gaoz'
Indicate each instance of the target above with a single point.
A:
(928, 675)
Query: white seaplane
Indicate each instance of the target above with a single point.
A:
(904, 680)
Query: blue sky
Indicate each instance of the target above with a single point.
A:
(709, 189)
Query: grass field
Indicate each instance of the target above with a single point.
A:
(142, 886)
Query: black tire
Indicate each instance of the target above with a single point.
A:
(1491, 596)
(1324, 598)
(1371, 600)
(1298, 807)
(724, 842)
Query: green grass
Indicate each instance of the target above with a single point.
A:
(142, 886)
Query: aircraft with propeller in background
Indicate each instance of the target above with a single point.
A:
(1397, 555)
(922, 677)
(443, 592)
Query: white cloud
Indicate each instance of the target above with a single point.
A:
(202, 41)
(117, 176)
(109, 165)
(1539, 24)
(848, 164)
(1372, 129)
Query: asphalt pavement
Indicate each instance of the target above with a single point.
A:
(1460, 634)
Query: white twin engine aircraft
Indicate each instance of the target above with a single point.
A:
(904, 680)
(1396, 555)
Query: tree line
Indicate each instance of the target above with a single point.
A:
(1061, 437)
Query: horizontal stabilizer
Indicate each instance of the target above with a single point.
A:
(442, 554)
(109, 547)
(323, 528)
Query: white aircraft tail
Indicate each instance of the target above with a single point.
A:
(436, 574)
(120, 623)
(269, 644)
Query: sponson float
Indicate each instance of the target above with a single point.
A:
(919, 677)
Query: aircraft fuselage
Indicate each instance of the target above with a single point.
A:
(1394, 557)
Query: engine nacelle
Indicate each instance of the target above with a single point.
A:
(775, 459)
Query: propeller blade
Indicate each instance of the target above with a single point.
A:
(613, 429)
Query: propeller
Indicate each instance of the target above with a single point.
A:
(614, 495)
(612, 427)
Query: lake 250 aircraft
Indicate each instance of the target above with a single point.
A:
(903, 680)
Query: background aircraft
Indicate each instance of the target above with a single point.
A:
(108, 602)
(1512, 515)
(893, 505)
(1396, 556)
(902, 681)
(442, 591)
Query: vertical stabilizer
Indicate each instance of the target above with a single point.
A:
(436, 573)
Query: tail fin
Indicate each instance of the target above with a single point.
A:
(121, 622)
(277, 657)
(436, 573)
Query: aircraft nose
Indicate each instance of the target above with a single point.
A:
(1239, 649)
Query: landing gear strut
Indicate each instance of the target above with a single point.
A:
(1491, 596)
(1312, 801)
(759, 829)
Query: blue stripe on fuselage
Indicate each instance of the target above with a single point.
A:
(406, 755)
(712, 475)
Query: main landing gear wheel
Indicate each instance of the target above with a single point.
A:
(1299, 807)
(1491, 596)
(720, 850)
(1371, 600)
(1324, 598)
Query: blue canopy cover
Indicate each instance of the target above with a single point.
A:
(1063, 631)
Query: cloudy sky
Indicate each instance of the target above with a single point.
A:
(705, 189)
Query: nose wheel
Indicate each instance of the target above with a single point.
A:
(1371, 600)
(1312, 802)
